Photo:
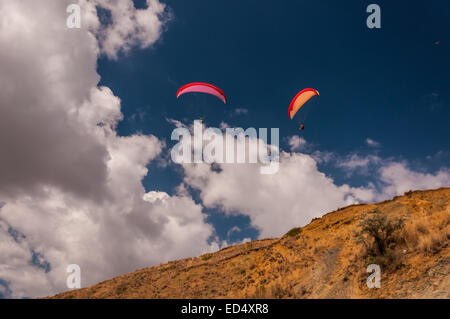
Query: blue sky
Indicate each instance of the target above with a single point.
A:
(389, 84)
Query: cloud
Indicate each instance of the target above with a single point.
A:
(175, 123)
(139, 115)
(355, 163)
(372, 143)
(296, 143)
(129, 26)
(155, 196)
(399, 179)
(241, 111)
(70, 188)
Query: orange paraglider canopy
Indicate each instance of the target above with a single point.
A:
(299, 100)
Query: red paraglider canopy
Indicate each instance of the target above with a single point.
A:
(201, 87)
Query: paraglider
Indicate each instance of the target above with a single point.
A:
(200, 87)
(299, 100)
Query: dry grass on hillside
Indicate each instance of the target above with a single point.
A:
(428, 233)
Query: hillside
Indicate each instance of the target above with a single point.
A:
(321, 260)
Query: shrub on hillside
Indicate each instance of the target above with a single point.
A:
(378, 235)
(294, 232)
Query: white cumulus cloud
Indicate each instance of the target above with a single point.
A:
(296, 143)
(399, 179)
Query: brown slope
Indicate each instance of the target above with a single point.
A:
(322, 261)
